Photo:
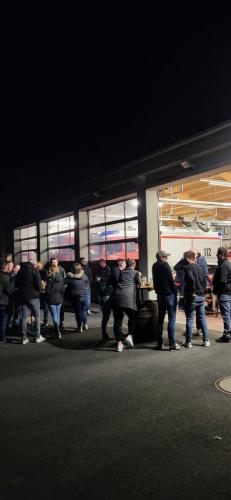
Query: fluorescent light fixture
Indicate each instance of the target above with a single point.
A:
(196, 203)
(216, 182)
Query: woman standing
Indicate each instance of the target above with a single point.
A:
(54, 293)
(78, 287)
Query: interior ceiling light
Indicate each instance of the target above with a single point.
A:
(196, 203)
(216, 182)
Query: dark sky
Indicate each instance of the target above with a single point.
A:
(86, 91)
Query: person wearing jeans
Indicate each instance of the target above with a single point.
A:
(4, 299)
(192, 305)
(78, 289)
(194, 299)
(80, 306)
(32, 306)
(28, 285)
(166, 291)
(222, 288)
(167, 303)
(54, 293)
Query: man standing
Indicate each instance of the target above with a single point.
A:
(166, 291)
(28, 284)
(124, 301)
(222, 288)
(103, 274)
(194, 299)
(88, 272)
(4, 299)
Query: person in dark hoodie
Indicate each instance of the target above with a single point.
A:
(222, 288)
(28, 283)
(54, 293)
(78, 290)
(5, 293)
(194, 299)
(105, 289)
(124, 301)
(166, 291)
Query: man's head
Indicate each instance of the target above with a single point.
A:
(10, 266)
(162, 255)
(17, 268)
(53, 262)
(4, 267)
(131, 263)
(39, 265)
(83, 261)
(190, 256)
(102, 263)
(121, 263)
(198, 255)
(222, 253)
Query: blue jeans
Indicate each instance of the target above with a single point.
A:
(80, 306)
(32, 306)
(3, 320)
(167, 304)
(88, 301)
(194, 304)
(225, 308)
(55, 314)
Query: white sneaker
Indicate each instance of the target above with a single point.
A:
(25, 341)
(187, 344)
(129, 341)
(85, 327)
(175, 347)
(80, 330)
(206, 343)
(120, 347)
(40, 339)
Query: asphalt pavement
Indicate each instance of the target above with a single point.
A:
(81, 421)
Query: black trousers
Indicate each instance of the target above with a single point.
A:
(106, 304)
(118, 322)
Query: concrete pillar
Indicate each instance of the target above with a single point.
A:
(148, 230)
(83, 234)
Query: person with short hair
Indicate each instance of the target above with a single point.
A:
(43, 299)
(78, 289)
(194, 299)
(5, 293)
(105, 289)
(222, 288)
(166, 291)
(28, 284)
(124, 301)
(87, 270)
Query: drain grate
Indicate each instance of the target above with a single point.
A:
(224, 385)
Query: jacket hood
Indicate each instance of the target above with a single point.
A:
(76, 276)
(27, 265)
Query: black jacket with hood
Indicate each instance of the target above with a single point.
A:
(28, 283)
(55, 287)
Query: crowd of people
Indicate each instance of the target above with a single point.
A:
(27, 288)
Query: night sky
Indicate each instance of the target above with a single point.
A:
(85, 92)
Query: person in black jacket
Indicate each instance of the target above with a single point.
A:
(43, 300)
(78, 289)
(124, 301)
(105, 288)
(166, 291)
(54, 293)
(28, 285)
(87, 270)
(5, 293)
(194, 299)
(222, 288)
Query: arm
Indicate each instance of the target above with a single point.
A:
(171, 280)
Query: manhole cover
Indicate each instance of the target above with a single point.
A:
(224, 384)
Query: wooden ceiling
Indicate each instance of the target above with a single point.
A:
(198, 191)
